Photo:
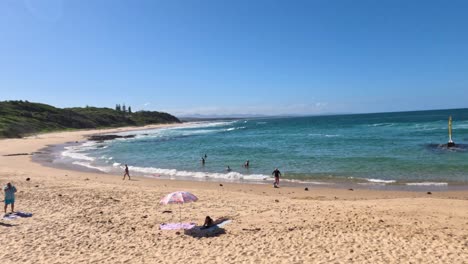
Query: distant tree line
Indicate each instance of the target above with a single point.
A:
(123, 108)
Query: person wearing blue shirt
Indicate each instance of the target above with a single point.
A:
(10, 191)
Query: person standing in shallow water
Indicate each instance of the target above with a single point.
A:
(10, 191)
(277, 174)
(203, 161)
(127, 173)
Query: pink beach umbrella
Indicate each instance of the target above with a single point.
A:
(179, 198)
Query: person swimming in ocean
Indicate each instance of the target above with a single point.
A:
(228, 169)
(203, 161)
(247, 164)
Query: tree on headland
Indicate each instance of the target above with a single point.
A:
(124, 109)
(129, 109)
(117, 107)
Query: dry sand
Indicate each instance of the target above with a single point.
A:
(95, 218)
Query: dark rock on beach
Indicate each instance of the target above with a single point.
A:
(16, 154)
(445, 148)
(107, 137)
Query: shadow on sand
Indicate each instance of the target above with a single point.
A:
(199, 232)
(6, 224)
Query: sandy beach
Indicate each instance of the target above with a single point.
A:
(81, 217)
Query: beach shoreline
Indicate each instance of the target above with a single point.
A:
(86, 216)
(50, 156)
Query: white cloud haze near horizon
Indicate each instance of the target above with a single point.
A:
(293, 109)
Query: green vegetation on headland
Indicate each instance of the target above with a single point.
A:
(20, 118)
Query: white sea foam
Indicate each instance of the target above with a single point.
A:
(233, 128)
(181, 173)
(380, 181)
(308, 182)
(88, 165)
(323, 135)
(427, 184)
(73, 152)
(382, 125)
(171, 131)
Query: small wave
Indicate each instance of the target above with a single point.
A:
(308, 182)
(381, 125)
(380, 181)
(72, 152)
(206, 124)
(160, 132)
(88, 165)
(233, 128)
(178, 173)
(116, 164)
(427, 183)
(324, 135)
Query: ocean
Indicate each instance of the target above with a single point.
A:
(404, 148)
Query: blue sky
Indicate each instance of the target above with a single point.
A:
(236, 56)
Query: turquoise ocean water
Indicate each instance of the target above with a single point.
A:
(386, 148)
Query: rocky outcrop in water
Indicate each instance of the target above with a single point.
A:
(107, 137)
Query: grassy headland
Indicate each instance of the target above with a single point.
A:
(20, 118)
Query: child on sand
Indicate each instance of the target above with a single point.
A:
(10, 191)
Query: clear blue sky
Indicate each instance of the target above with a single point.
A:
(236, 56)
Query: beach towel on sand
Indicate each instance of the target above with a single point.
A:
(176, 226)
(200, 231)
(16, 215)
